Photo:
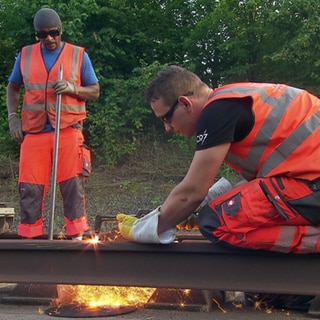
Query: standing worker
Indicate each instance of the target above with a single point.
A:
(36, 68)
(270, 134)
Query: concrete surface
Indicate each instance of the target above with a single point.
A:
(10, 312)
(229, 311)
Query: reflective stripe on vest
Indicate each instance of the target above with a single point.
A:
(285, 135)
(40, 99)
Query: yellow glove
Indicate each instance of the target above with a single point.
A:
(145, 229)
(125, 223)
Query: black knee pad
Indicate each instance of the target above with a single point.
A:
(208, 221)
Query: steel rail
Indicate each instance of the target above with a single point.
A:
(179, 265)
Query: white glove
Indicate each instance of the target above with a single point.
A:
(145, 229)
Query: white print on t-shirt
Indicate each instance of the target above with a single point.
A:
(202, 137)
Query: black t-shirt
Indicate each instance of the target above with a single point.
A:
(224, 120)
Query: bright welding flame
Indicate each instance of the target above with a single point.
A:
(94, 296)
(93, 240)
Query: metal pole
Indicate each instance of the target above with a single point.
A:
(55, 160)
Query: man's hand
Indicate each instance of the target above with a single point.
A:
(145, 229)
(125, 223)
(63, 86)
(15, 128)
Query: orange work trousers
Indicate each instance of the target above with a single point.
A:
(36, 157)
(278, 214)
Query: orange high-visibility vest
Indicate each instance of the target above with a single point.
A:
(39, 101)
(285, 138)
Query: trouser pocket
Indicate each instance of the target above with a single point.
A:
(85, 161)
(308, 206)
(274, 195)
(291, 197)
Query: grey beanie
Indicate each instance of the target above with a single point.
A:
(46, 18)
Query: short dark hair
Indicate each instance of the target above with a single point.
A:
(172, 82)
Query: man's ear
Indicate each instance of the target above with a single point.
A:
(185, 100)
(187, 103)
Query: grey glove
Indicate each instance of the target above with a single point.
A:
(63, 86)
(15, 128)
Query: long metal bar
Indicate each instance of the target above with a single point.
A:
(55, 160)
(179, 265)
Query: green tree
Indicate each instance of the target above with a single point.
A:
(129, 40)
(115, 130)
(257, 40)
(297, 25)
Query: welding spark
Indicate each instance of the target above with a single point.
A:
(61, 236)
(219, 305)
(237, 305)
(186, 291)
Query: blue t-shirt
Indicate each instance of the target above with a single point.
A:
(87, 74)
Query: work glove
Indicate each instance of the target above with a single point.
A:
(63, 86)
(145, 229)
(15, 128)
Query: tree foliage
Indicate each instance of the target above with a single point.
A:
(129, 40)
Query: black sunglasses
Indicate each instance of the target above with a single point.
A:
(45, 34)
(166, 118)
